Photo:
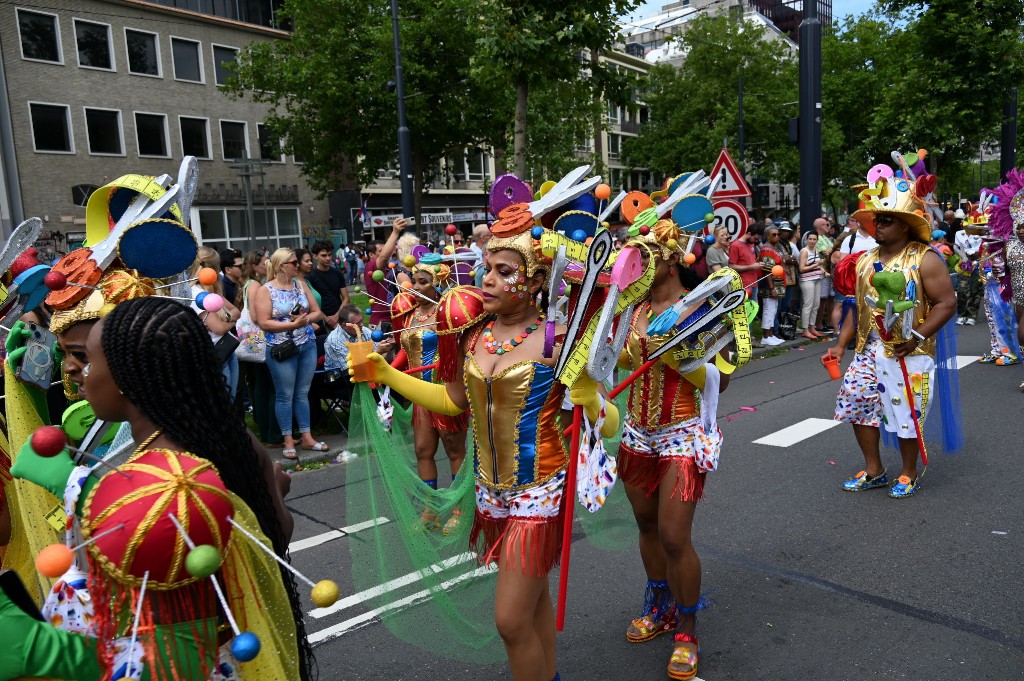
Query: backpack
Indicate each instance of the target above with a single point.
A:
(844, 272)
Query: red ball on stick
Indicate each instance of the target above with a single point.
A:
(48, 441)
(55, 280)
(451, 230)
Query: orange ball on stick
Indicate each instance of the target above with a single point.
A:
(777, 271)
(602, 191)
(689, 258)
(54, 560)
(207, 276)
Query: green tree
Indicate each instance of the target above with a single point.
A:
(326, 86)
(534, 44)
(695, 107)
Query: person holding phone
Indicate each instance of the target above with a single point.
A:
(285, 309)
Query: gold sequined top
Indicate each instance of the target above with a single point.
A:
(661, 396)
(907, 261)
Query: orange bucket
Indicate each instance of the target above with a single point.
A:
(358, 353)
(831, 365)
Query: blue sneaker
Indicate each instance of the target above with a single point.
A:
(904, 487)
(862, 482)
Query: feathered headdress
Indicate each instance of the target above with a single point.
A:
(1008, 211)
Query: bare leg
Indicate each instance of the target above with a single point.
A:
(909, 452)
(868, 438)
(675, 526)
(425, 441)
(521, 606)
(455, 448)
(645, 511)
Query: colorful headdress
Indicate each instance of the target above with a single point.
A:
(513, 233)
(114, 287)
(893, 193)
(431, 265)
(1008, 211)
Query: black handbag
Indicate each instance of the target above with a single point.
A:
(285, 349)
(225, 347)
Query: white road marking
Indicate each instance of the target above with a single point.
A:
(391, 585)
(798, 432)
(355, 622)
(964, 360)
(317, 540)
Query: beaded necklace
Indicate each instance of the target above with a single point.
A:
(493, 347)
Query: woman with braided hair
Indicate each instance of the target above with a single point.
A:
(155, 342)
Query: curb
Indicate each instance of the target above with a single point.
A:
(760, 352)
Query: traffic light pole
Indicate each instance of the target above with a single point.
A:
(404, 144)
(810, 114)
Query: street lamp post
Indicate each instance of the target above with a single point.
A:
(404, 145)
(810, 113)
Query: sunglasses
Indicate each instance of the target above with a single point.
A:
(884, 220)
(292, 262)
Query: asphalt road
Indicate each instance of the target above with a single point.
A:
(808, 581)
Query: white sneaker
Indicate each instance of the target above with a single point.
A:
(970, 322)
(772, 340)
(960, 321)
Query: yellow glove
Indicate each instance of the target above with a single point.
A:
(584, 394)
(431, 396)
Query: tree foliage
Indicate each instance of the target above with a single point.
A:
(694, 108)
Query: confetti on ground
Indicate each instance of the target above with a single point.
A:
(998, 532)
(831, 463)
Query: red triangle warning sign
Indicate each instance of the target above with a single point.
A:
(727, 181)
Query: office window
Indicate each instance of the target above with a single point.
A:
(229, 227)
(477, 165)
(224, 59)
(270, 148)
(104, 131)
(232, 140)
(188, 63)
(40, 36)
(94, 45)
(143, 52)
(195, 137)
(151, 131)
(51, 128)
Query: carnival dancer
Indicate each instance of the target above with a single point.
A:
(1002, 323)
(904, 298)
(140, 345)
(503, 370)
(669, 443)
(418, 338)
(1006, 221)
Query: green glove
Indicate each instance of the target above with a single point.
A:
(38, 649)
(51, 473)
(15, 344)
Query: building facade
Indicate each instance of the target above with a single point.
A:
(96, 89)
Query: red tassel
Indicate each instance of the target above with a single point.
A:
(448, 357)
(647, 471)
(535, 543)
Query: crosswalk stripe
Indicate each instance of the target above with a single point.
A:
(317, 540)
(336, 630)
(798, 432)
(391, 585)
(964, 360)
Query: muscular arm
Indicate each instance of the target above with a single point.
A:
(938, 289)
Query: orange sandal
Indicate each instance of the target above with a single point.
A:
(651, 625)
(685, 658)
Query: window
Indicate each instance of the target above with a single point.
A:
(614, 147)
(151, 131)
(188, 63)
(273, 227)
(270, 149)
(94, 45)
(477, 165)
(143, 52)
(51, 128)
(40, 36)
(103, 127)
(195, 137)
(613, 113)
(224, 59)
(233, 140)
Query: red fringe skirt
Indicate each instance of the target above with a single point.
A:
(647, 472)
(535, 543)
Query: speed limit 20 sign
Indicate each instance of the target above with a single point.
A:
(733, 215)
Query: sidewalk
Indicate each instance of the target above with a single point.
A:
(336, 442)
